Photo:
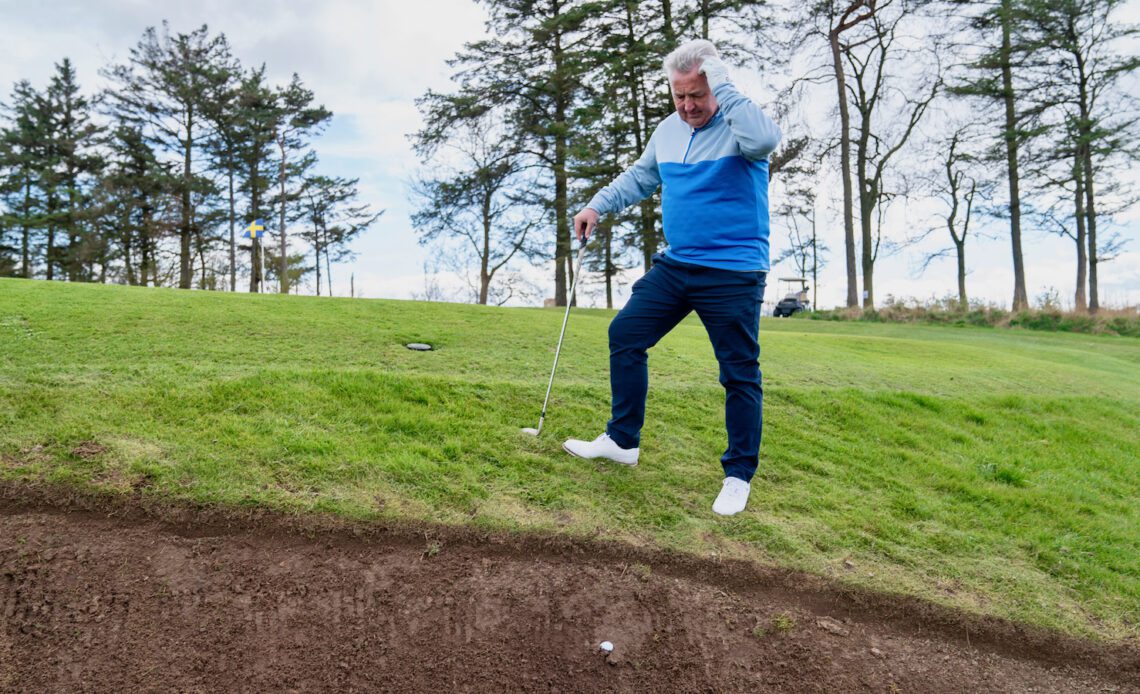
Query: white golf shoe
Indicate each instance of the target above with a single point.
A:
(733, 497)
(602, 447)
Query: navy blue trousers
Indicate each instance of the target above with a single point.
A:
(728, 303)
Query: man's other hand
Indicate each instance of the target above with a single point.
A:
(715, 71)
(584, 223)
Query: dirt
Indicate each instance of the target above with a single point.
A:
(102, 595)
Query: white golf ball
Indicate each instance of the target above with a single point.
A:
(606, 646)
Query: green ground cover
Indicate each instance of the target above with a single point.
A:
(992, 470)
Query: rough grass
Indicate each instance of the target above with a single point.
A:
(992, 470)
(1047, 317)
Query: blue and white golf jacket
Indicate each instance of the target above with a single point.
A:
(714, 184)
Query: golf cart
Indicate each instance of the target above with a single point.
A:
(794, 300)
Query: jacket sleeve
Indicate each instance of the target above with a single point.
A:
(636, 184)
(756, 133)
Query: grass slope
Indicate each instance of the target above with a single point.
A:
(992, 470)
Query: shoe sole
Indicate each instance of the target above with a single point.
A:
(726, 515)
(610, 460)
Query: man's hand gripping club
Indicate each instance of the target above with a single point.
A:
(584, 223)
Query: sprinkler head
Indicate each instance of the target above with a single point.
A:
(530, 431)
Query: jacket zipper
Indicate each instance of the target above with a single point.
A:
(692, 136)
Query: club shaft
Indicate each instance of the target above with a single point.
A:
(562, 334)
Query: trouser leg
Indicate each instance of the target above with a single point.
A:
(728, 304)
(655, 307)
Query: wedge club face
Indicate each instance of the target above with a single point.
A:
(531, 431)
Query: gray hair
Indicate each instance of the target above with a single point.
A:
(688, 56)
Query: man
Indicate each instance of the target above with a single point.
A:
(711, 160)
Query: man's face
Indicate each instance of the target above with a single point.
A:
(694, 100)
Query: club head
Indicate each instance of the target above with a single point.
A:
(529, 431)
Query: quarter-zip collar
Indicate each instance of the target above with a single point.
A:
(715, 117)
(693, 134)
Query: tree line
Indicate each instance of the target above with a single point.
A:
(1011, 112)
(151, 181)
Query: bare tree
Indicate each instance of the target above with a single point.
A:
(960, 189)
(796, 210)
(334, 219)
(888, 116)
(841, 21)
(480, 200)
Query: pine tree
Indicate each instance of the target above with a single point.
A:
(1082, 58)
(139, 206)
(75, 142)
(533, 68)
(257, 116)
(161, 90)
(24, 153)
(224, 114)
(298, 120)
(991, 80)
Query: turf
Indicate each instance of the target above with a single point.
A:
(994, 470)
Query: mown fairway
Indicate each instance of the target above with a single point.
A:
(994, 470)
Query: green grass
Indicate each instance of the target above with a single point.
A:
(991, 470)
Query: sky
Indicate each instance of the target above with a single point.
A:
(368, 60)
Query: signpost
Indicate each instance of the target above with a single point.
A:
(254, 232)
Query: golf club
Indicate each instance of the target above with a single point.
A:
(558, 350)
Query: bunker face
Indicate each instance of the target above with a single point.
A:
(313, 623)
(419, 346)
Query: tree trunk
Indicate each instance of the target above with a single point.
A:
(1080, 300)
(814, 263)
(146, 251)
(50, 252)
(563, 243)
(317, 262)
(485, 252)
(1090, 213)
(283, 271)
(233, 230)
(128, 260)
(184, 231)
(648, 233)
(845, 170)
(951, 219)
(255, 268)
(667, 23)
(609, 251)
(201, 261)
(26, 229)
(328, 268)
(868, 195)
(1020, 297)
(960, 249)
(74, 251)
(1086, 168)
(639, 110)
